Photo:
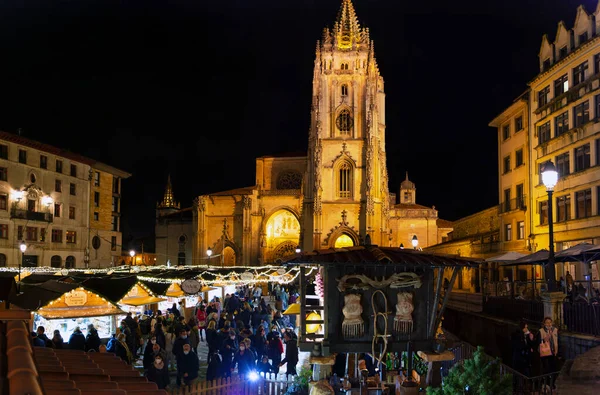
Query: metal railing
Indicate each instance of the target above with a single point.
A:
(30, 215)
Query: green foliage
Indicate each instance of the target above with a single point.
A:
(479, 375)
(300, 384)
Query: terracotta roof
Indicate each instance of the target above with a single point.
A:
(238, 191)
(442, 223)
(15, 138)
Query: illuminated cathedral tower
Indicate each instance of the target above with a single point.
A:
(346, 187)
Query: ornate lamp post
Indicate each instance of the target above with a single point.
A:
(549, 179)
(298, 250)
(132, 254)
(208, 254)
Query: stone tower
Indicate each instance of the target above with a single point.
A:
(408, 191)
(346, 187)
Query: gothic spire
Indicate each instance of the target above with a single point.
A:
(346, 29)
(168, 200)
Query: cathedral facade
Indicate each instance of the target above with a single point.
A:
(334, 196)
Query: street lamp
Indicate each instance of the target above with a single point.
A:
(132, 254)
(415, 242)
(23, 248)
(209, 253)
(549, 179)
(298, 250)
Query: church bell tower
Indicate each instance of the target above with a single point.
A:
(346, 191)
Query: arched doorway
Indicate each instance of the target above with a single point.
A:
(55, 261)
(70, 262)
(282, 235)
(344, 241)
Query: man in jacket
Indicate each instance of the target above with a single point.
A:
(178, 347)
(187, 365)
(291, 354)
(77, 340)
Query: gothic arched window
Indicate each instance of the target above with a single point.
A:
(344, 90)
(289, 180)
(344, 181)
(344, 121)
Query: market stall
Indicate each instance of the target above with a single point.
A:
(62, 305)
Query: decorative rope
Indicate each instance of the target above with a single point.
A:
(376, 336)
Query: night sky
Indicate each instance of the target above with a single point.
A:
(200, 88)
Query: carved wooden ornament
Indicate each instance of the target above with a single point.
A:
(353, 324)
(403, 322)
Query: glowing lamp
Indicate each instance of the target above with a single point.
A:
(47, 201)
(23, 247)
(415, 241)
(549, 175)
(313, 328)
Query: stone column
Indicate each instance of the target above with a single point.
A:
(553, 306)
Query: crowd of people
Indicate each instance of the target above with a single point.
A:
(243, 333)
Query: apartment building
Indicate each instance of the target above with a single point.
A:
(48, 203)
(564, 129)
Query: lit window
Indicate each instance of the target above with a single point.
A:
(71, 236)
(345, 180)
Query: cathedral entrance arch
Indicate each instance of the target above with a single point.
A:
(343, 241)
(281, 235)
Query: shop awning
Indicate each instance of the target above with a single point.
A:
(68, 312)
(142, 300)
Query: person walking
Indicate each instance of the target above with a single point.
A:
(122, 348)
(548, 347)
(523, 344)
(291, 354)
(159, 373)
(228, 349)
(187, 366)
(201, 318)
(274, 349)
(178, 346)
(243, 360)
(193, 334)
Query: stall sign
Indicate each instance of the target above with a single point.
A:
(191, 286)
(75, 298)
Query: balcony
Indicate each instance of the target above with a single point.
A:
(30, 215)
(513, 204)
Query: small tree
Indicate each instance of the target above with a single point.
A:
(479, 375)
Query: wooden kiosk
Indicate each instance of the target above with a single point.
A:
(374, 300)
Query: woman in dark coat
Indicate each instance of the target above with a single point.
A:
(158, 373)
(122, 349)
(77, 340)
(92, 340)
(212, 338)
(57, 340)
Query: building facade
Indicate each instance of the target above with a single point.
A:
(46, 199)
(564, 129)
(334, 196)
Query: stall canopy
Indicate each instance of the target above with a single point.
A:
(509, 256)
(538, 257)
(58, 299)
(139, 295)
(583, 252)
